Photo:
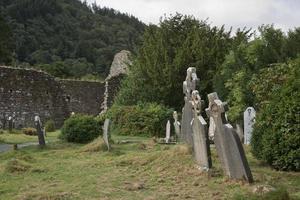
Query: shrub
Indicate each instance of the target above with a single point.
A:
(80, 129)
(29, 131)
(50, 126)
(143, 119)
(276, 136)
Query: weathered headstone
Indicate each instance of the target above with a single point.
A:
(106, 136)
(249, 120)
(38, 126)
(187, 115)
(168, 132)
(200, 135)
(228, 145)
(10, 123)
(176, 124)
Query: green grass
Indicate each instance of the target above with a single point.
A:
(143, 170)
(18, 137)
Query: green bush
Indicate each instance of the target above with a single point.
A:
(143, 119)
(80, 129)
(29, 131)
(276, 135)
(50, 126)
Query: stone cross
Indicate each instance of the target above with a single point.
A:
(176, 124)
(188, 86)
(38, 126)
(229, 147)
(106, 136)
(200, 135)
(168, 132)
(10, 123)
(249, 120)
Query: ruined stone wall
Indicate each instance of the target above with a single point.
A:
(83, 96)
(25, 93)
(113, 88)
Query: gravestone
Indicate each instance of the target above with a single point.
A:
(229, 147)
(176, 124)
(249, 120)
(168, 132)
(10, 123)
(106, 136)
(200, 135)
(187, 115)
(38, 126)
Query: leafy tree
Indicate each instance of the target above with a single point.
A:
(276, 136)
(167, 51)
(47, 32)
(6, 43)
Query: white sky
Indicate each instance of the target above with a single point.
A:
(233, 13)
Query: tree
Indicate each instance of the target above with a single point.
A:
(6, 43)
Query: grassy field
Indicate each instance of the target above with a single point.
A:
(139, 170)
(18, 138)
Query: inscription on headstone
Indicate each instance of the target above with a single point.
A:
(249, 120)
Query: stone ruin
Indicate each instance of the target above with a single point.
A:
(194, 131)
(25, 93)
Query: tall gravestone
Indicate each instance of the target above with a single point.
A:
(249, 120)
(229, 147)
(168, 132)
(38, 126)
(106, 136)
(176, 124)
(187, 115)
(200, 135)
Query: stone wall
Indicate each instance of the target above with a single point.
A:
(25, 93)
(83, 96)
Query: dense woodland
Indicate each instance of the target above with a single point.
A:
(67, 38)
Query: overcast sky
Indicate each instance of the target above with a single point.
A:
(233, 13)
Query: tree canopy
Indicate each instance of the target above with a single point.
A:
(75, 38)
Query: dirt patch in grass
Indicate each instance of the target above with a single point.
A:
(17, 166)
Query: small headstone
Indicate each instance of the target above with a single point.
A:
(106, 133)
(10, 123)
(200, 135)
(249, 120)
(228, 145)
(176, 124)
(38, 126)
(187, 115)
(168, 132)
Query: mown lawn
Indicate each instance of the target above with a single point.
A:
(139, 170)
